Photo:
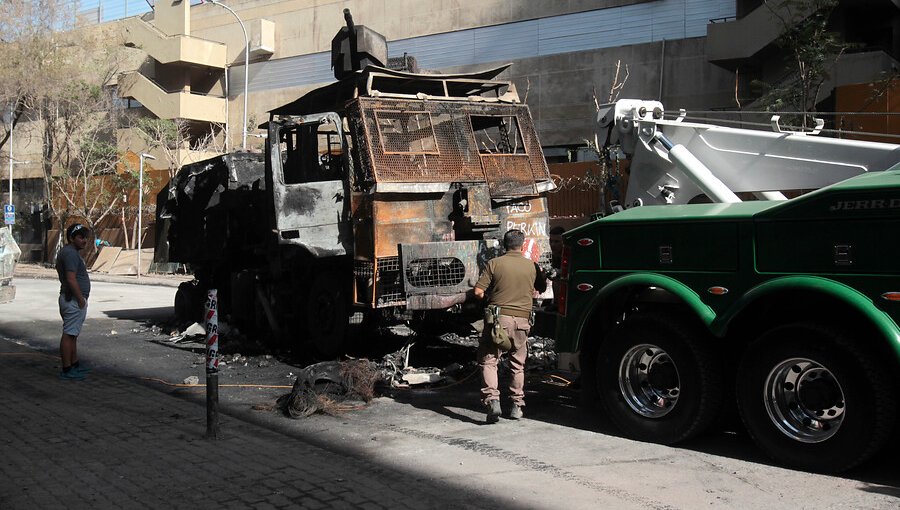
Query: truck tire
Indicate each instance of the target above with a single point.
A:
(188, 304)
(657, 380)
(812, 399)
(326, 314)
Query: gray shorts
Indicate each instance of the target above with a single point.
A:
(72, 316)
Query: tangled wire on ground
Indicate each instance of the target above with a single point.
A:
(326, 387)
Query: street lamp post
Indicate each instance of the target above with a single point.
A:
(11, 125)
(11, 163)
(246, 64)
(143, 156)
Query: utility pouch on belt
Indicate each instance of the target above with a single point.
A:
(497, 331)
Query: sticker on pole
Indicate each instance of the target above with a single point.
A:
(9, 214)
(212, 332)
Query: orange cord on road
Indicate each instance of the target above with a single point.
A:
(185, 385)
(38, 354)
(178, 385)
(562, 379)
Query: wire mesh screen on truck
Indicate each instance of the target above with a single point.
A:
(452, 141)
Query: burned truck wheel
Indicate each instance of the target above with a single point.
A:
(656, 379)
(811, 399)
(189, 300)
(326, 314)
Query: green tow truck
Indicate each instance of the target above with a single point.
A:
(790, 308)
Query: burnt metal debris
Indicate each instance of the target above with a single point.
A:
(337, 387)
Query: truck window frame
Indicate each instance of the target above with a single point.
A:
(296, 163)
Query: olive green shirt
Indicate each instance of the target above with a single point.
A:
(510, 281)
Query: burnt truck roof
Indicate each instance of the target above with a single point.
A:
(374, 81)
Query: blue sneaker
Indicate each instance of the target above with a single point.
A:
(81, 369)
(71, 375)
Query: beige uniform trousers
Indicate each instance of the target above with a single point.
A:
(489, 354)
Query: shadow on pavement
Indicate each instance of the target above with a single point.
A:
(142, 315)
(113, 411)
(550, 402)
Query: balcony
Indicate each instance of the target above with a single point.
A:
(731, 42)
(168, 49)
(180, 104)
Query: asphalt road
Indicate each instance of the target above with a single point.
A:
(557, 457)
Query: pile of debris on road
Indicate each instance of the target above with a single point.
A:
(330, 387)
(334, 387)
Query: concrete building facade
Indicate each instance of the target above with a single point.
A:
(694, 54)
(690, 54)
(563, 52)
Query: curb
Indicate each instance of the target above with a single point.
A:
(39, 272)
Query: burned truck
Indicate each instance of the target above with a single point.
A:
(386, 190)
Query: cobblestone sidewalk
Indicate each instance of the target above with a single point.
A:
(112, 442)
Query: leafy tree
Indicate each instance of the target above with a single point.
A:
(57, 83)
(80, 155)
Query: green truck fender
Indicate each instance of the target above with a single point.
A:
(682, 291)
(718, 324)
(842, 292)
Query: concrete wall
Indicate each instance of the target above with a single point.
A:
(559, 88)
(307, 26)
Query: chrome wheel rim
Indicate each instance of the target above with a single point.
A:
(648, 380)
(804, 400)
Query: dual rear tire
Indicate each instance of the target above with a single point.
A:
(808, 395)
(812, 399)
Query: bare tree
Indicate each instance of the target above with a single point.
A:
(813, 50)
(606, 179)
(173, 138)
(178, 143)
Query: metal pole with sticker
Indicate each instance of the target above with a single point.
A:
(212, 365)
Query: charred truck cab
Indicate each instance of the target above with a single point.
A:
(385, 189)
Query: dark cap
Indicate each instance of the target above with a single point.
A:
(77, 229)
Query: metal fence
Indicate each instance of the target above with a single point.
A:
(579, 188)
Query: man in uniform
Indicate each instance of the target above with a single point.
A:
(75, 286)
(509, 282)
